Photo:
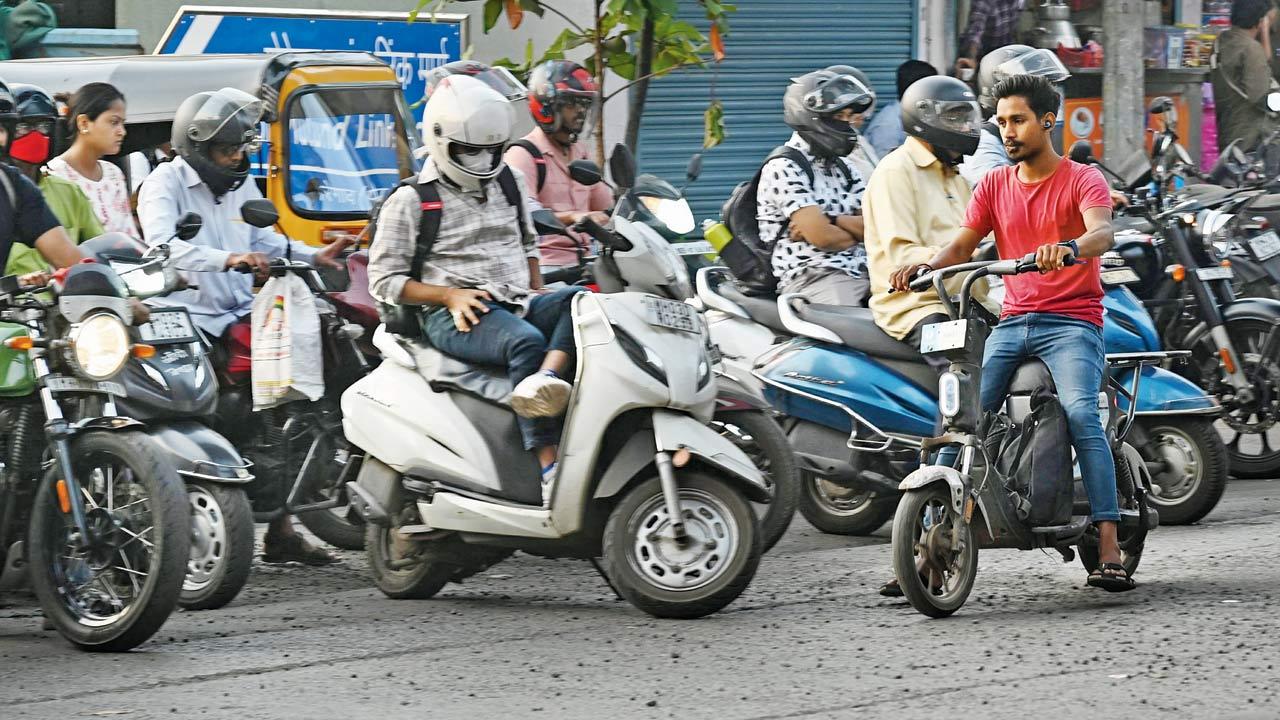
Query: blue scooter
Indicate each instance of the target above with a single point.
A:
(858, 403)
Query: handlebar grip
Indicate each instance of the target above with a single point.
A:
(923, 281)
(603, 236)
(242, 267)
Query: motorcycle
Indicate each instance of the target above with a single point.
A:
(299, 453)
(650, 213)
(642, 482)
(947, 514)
(174, 392)
(92, 511)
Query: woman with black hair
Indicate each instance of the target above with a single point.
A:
(96, 115)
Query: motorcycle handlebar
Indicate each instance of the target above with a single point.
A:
(997, 267)
(567, 275)
(602, 235)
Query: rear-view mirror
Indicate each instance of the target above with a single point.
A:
(622, 166)
(188, 226)
(694, 170)
(545, 222)
(585, 172)
(259, 213)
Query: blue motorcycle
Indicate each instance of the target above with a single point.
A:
(858, 403)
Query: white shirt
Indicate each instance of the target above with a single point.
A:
(222, 297)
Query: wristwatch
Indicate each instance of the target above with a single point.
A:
(1074, 246)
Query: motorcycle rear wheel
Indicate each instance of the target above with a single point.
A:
(150, 523)
(1193, 485)
(840, 511)
(763, 440)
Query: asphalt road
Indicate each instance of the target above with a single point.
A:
(810, 639)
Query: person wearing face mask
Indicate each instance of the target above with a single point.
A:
(808, 201)
(29, 149)
(25, 217)
(562, 95)
(96, 116)
(213, 133)
(477, 277)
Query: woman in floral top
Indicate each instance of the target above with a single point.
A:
(96, 116)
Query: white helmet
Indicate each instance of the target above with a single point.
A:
(467, 126)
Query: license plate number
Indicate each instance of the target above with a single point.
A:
(1265, 246)
(943, 336)
(1215, 273)
(168, 326)
(74, 384)
(1119, 276)
(670, 314)
(697, 247)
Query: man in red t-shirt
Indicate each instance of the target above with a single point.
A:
(1055, 208)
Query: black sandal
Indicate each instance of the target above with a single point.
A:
(894, 590)
(1111, 577)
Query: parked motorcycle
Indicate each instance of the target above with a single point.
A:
(101, 530)
(948, 513)
(174, 392)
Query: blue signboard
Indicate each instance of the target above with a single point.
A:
(411, 49)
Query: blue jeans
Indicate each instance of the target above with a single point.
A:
(517, 343)
(1074, 352)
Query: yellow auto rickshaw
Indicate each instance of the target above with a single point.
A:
(337, 136)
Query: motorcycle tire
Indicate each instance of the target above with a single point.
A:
(336, 528)
(386, 552)
(762, 439)
(853, 513)
(221, 545)
(910, 534)
(1192, 448)
(637, 540)
(1263, 374)
(170, 523)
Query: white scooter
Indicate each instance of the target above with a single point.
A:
(642, 482)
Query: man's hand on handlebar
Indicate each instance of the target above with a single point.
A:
(328, 257)
(256, 263)
(1119, 200)
(901, 278)
(597, 216)
(466, 305)
(1053, 256)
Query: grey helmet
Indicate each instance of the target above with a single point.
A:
(860, 77)
(1011, 60)
(943, 112)
(813, 98)
(223, 117)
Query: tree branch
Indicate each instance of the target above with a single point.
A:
(650, 76)
(640, 90)
(578, 28)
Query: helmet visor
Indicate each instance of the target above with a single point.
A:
(1037, 62)
(957, 116)
(838, 93)
(501, 79)
(228, 108)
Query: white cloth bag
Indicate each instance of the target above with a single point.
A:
(287, 360)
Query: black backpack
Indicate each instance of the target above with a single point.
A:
(539, 161)
(405, 320)
(1035, 459)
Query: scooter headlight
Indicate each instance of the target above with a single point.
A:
(949, 395)
(642, 355)
(98, 346)
(674, 213)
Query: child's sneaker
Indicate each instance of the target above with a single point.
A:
(542, 394)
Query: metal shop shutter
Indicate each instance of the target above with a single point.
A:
(770, 42)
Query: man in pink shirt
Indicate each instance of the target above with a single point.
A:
(1054, 208)
(561, 97)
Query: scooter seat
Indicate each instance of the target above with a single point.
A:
(1265, 203)
(446, 373)
(763, 310)
(1207, 193)
(856, 327)
(1031, 376)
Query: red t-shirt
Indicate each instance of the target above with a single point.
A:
(1024, 217)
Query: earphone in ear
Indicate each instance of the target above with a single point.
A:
(1048, 124)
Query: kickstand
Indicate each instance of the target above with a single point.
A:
(596, 564)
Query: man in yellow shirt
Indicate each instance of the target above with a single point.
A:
(916, 200)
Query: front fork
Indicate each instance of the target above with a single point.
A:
(58, 430)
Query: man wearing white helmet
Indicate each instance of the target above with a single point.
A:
(477, 275)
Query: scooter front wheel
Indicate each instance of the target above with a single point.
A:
(935, 554)
(687, 578)
(221, 545)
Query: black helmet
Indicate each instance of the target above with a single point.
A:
(8, 106)
(223, 117)
(33, 103)
(498, 78)
(813, 98)
(860, 77)
(943, 112)
(554, 84)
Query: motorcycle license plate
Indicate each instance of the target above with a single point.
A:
(1265, 246)
(1215, 273)
(168, 325)
(951, 335)
(670, 314)
(61, 383)
(699, 247)
(1119, 276)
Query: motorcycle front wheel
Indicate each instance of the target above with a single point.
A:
(690, 578)
(114, 594)
(1251, 428)
(762, 439)
(935, 553)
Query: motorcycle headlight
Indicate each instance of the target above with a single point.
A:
(98, 346)
(675, 214)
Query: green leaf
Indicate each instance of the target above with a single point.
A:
(528, 52)
(713, 129)
(492, 11)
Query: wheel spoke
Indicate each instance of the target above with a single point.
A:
(131, 572)
(111, 487)
(136, 536)
(103, 584)
(88, 497)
